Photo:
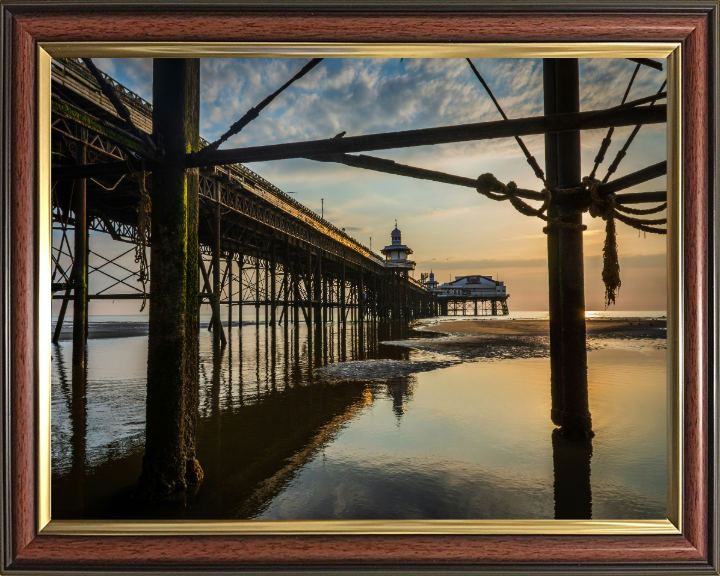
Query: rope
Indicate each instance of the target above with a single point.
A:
(603, 207)
(640, 212)
(143, 228)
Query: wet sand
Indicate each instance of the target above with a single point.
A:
(652, 328)
(508, 339)
(103, 330)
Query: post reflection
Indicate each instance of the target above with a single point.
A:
(571, 465)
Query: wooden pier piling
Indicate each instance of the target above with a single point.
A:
(553, 252)
(80, 265)
(228, 264)
(169, 463)
(576, 418)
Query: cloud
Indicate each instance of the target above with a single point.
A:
(445, 225)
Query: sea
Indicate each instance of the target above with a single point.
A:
(406, 434)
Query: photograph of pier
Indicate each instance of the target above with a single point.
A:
(347, 288)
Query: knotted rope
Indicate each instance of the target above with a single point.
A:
(605, 207)
(143, 230)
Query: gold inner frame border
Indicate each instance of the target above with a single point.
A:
(668, 50)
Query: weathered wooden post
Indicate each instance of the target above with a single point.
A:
(575, 412)
(169, 463)
(553, 251)
(80, 267)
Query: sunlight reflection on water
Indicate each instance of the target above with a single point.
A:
(397, 434)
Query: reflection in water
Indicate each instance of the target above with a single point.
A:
(571, 464)
(280, 437)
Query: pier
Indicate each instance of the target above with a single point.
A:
(475, 295)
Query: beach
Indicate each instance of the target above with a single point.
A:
(447, 418)
(596, 327)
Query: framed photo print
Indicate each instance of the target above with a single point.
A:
(328, 287)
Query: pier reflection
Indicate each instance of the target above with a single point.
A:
(267, 417)
(263, 414)
(571, 467)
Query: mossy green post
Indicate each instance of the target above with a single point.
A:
(170, 463)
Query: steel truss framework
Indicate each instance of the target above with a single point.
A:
(274, 253)
(474, 306)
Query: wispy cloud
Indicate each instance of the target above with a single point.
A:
(445, 225)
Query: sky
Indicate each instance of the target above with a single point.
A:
(452, 230)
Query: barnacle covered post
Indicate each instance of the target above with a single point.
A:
(169, 464)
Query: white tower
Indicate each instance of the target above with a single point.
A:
(396, 255)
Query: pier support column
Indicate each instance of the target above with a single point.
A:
(296, 295)
(257, 288)
(286, 290)
(375, 298)
(230, 294)
(361, 298)
(309, 287)
(218, 332)
(553, 252)
(241, 262)
(273, 286)
(80, 267)
(317, 289)
(169, 463)
(325, 300)
(576, 419)
(267, 290)
(343, 296)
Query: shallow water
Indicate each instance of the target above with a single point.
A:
(288, 431)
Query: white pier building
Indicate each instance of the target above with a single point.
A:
(470, 296)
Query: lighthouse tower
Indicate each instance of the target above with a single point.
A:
(396, 254)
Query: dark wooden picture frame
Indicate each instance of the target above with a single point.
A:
(24, 25)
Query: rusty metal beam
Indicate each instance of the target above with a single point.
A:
(648, 62)
(442, 135)
(614, 117)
